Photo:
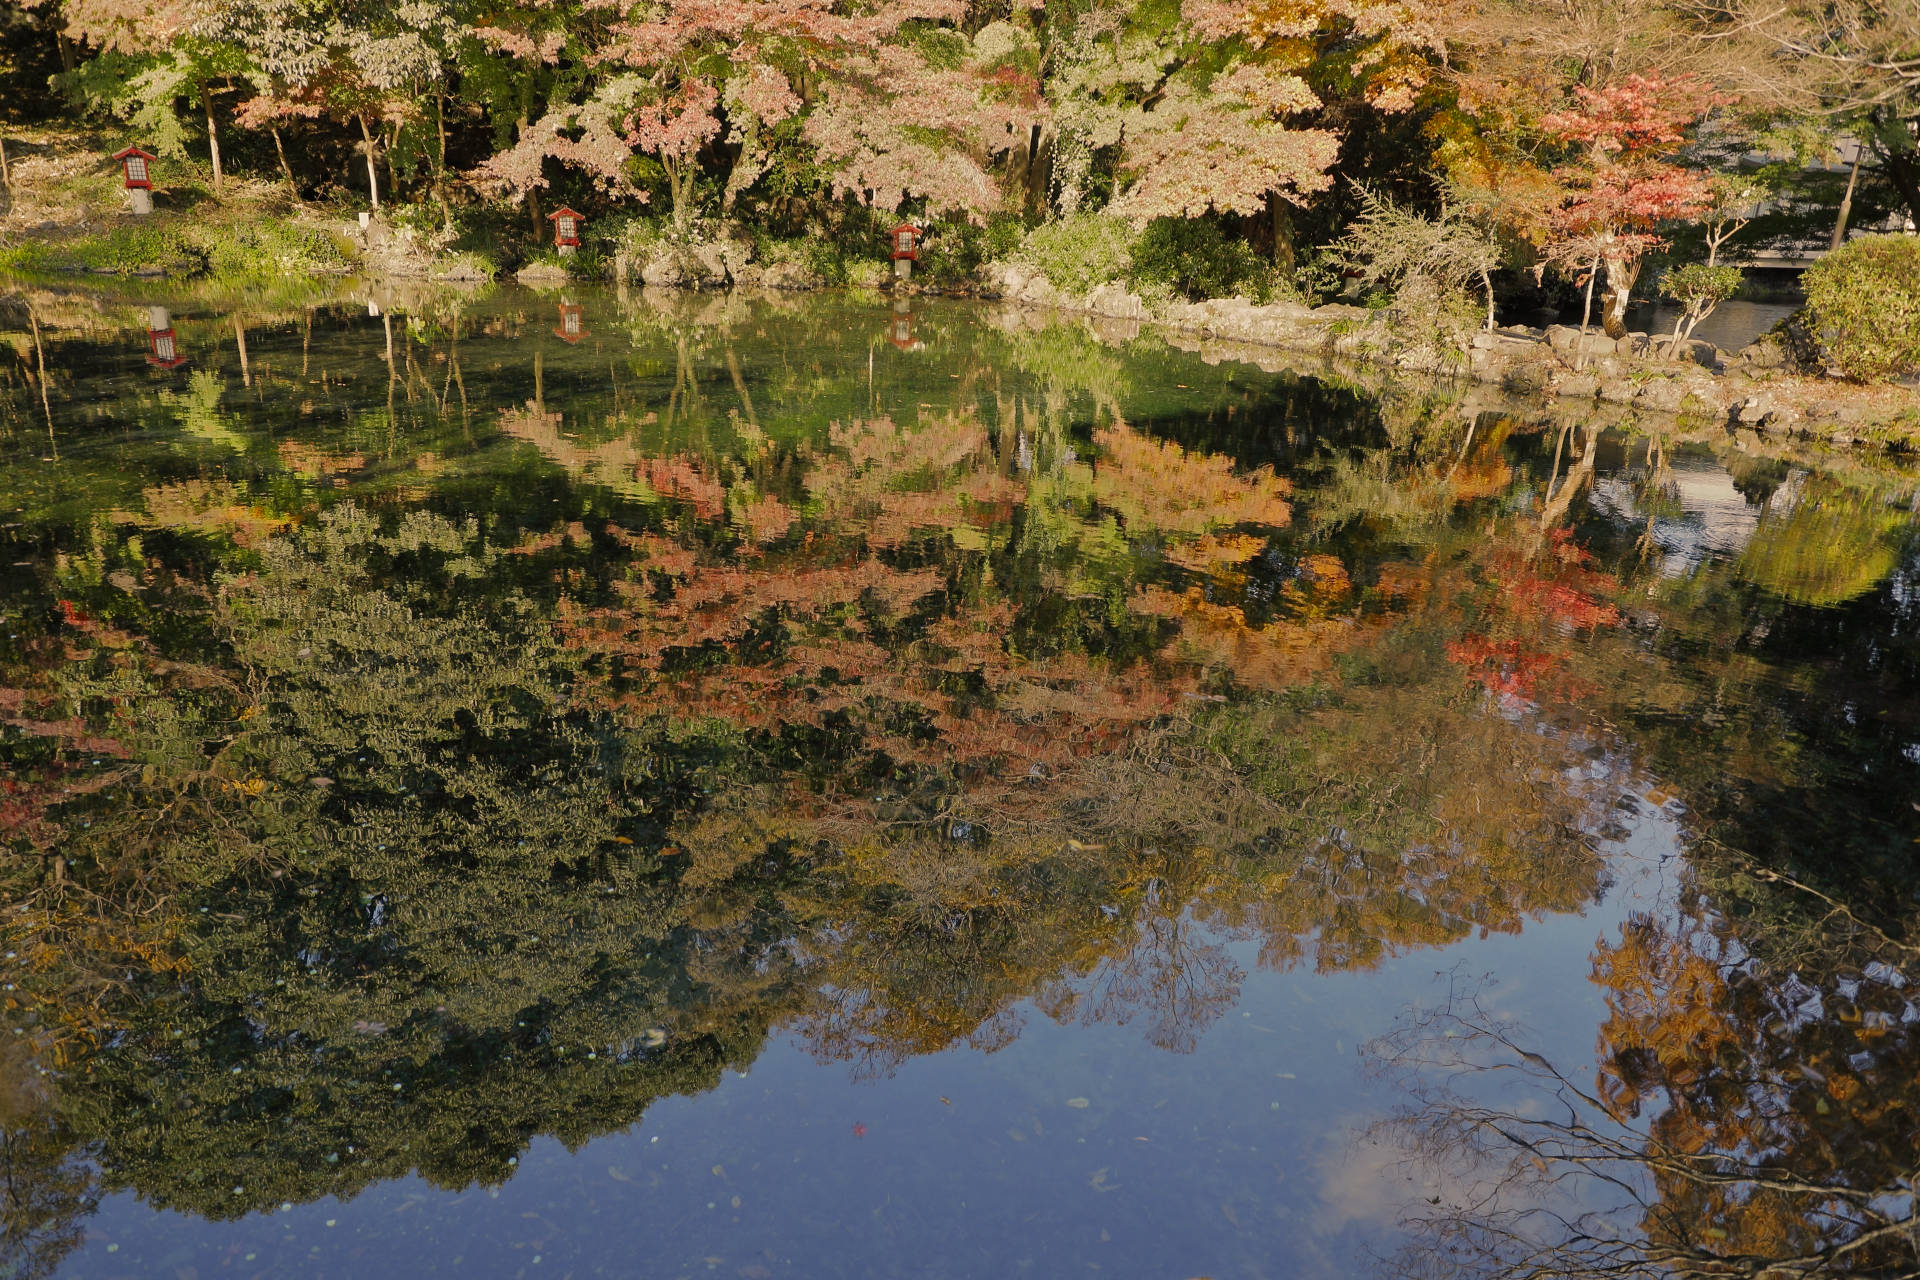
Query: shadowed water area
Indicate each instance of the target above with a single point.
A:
(572, 785)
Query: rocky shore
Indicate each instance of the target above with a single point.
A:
(1765, 386)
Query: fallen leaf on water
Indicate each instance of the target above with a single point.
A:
(1078, 1102)
(945, 1099)
(614, 1172)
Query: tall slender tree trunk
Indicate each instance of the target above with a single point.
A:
(1846, 201)
(213, 132)
(373, 173)
(440, 161)
(286, 169)
(1586, 315)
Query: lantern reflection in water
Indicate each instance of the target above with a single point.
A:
(900, 329)
(163, 349)
(572, 326)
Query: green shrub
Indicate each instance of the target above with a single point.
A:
(953, 251)
(1864, 301)
(1079, 253)
(1191, 256)
(1698, 288)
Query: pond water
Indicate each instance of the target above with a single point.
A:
(584, 785)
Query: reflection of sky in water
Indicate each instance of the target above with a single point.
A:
(1716, 519)
(1077, 1149)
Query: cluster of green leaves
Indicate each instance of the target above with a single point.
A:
(1081, 251)
(220, 249)
(1864, 300)
(1192, 257)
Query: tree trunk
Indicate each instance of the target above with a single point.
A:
(213, 133)
(373, 174)
(1621, 274)
(1903, 171)
(1283, 257)
(440, 162)
(1586, 310)
(1846, 201)
(1040, 170)
(286, 169)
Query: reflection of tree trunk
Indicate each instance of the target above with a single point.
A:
(40, 358)
(740, 385)
(539, 382)
(466, 417)
(373, 174)
(240, 340)
(1556, 506)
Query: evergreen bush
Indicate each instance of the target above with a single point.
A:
(1191, 256)
(1864, 303)
(1080, 252)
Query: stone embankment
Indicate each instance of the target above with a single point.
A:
(1757, 387)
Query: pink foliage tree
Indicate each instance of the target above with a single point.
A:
(895, 124)
(1224, 148)
(1625, 187)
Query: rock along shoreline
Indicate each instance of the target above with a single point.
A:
(1755, 388)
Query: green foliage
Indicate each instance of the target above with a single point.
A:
(1191, 256)
(1396, 246)
(1699, 283)
(1865, 305)
(254, 249)
(955, 251)
(1081, 252)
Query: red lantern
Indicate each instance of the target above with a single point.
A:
(566, 226)
(135, 162)
(906, 242)
(572, 326)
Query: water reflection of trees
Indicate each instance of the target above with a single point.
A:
(1750, 1115)
(873, 725)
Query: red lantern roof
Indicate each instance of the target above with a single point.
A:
(566, 212)
(134, 151)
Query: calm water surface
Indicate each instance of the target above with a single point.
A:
(576, 785)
